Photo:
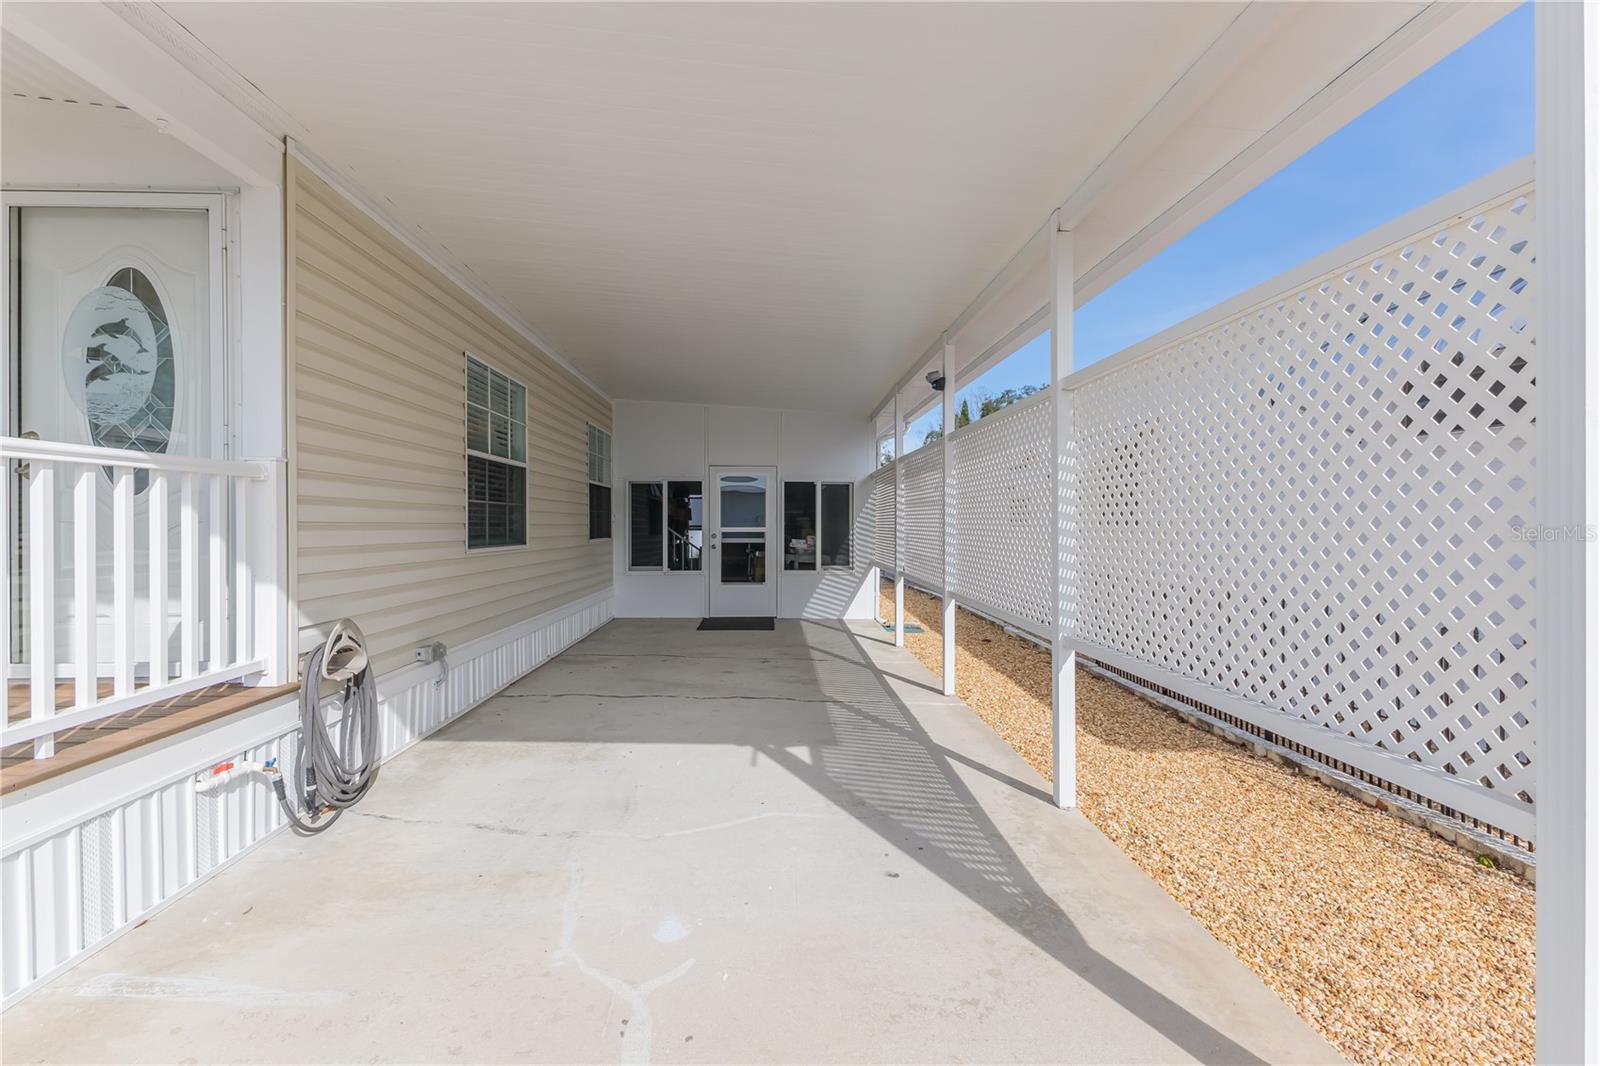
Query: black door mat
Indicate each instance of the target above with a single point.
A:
(735, 623)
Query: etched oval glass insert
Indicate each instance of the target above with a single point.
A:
(116, 356)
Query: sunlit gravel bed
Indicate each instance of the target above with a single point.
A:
(1395, 945)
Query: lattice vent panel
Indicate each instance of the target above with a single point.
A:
(923, 475)
(1003, 508)
(1319, 505)
(880, 502)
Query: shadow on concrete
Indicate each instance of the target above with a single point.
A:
(865, 752)
(886, 772)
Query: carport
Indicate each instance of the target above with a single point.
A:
(522, 336)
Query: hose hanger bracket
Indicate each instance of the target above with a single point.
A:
(336, 760)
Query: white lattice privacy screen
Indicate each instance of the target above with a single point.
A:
(923, 522)
(880, 499)
(1317, 504)
(1003, 511)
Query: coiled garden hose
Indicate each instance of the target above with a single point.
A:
(335, 770)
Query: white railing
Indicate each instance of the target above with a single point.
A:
(135, 582)
(1310, 508)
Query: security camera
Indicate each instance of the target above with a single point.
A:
(936, 379)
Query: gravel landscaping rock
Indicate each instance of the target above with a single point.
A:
(1395, 945)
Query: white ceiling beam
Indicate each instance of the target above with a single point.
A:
(92, 42)
(1240, 39)
(1249, 31)
(1427, 37)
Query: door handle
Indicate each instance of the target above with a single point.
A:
(24, 468)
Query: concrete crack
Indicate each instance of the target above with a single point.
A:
(658, 696)
(579, 834)
(637, 1029)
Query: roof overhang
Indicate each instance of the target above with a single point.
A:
(777, 205)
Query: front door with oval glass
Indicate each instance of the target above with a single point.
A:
(741, 549)
(112, 312)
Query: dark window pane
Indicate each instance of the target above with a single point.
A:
(517, 510)
(685, 524)
(799, 525)
(836, 521)
(497, 503)
(644, 525)
(599, 512)
(744, 558)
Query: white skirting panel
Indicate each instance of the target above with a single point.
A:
(88, 856)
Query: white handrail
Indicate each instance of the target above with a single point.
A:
(58, 451)
(193, 508)
(33, 728)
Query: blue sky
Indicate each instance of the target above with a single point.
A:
(1466, 116)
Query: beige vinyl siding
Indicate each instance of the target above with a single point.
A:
(379, 462)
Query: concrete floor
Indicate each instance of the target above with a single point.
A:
(682, 846)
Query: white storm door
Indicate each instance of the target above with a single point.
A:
(117, 345)
(742, 551)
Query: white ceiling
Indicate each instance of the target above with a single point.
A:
(770, 204)
(26, 74)
(57, 129)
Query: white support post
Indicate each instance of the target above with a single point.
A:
(42, 599)
(85, 594)
(899, 527)
(123, 638)
(156, 568)
(1063, 658)
(188, 576)
(947, 672)
(1567, 239)
(217, 621)
(7, 589)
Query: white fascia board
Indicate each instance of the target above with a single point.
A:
(1426, 38)
(458, 273)
(1423, 40)
(1250, 30)
(94, 43)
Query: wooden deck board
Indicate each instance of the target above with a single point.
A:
(87, 744)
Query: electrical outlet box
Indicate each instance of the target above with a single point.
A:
(429, 653)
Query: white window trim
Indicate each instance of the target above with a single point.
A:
(817, 485)
(611, 477)
(610, 466)
(220, 312)
(466, 508)
(628, 511)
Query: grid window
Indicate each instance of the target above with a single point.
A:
(816, 524)
(599, 484)
(665, 525)
(599, 456)
(497, 452)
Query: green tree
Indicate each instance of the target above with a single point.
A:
(963, 416)
(990, 404)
